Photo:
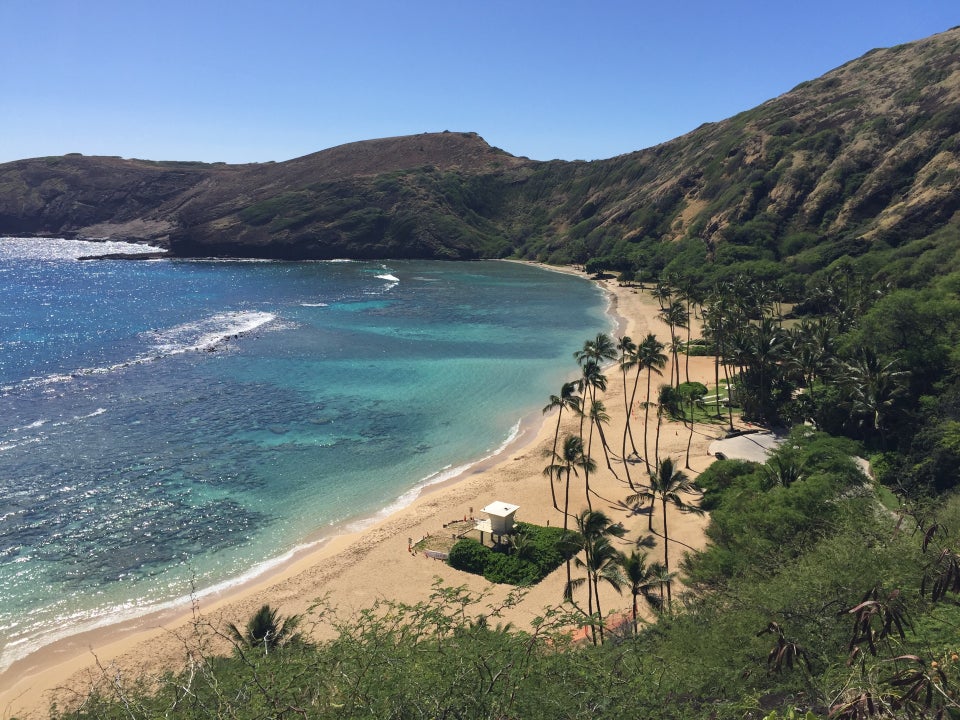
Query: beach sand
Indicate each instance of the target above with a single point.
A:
(355, 569)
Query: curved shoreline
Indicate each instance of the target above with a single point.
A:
(206, 331)
(105, 627)
(355, 565)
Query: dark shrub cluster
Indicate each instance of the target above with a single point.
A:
(532, 554)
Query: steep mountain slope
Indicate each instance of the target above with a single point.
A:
(865, 154)
(416, 196)
(94, 196)
(407, 196)
(863, 159)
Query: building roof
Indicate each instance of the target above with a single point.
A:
(500, 509)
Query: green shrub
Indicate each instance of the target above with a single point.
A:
(717, 478)
(534, 553)
(469, 556)
(510, 569)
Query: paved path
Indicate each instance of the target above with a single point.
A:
(752, 446)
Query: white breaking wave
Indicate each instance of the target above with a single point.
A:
(57, 249)
(208, 333)
(201, 335)
(28, 441)
(389, 278)
(314, 305)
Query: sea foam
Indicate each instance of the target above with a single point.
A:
(207, 333)
(201, 335)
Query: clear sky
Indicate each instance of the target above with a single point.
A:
(256, 80)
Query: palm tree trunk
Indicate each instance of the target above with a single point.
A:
(566, 520)
(666, 553)
(656, 445)
(726, 375)
(656, 460)
(596, 592)
(676, 364)
(716, 376)
(586, 470)
(627, 404)
(593, 627)
(646, 418)
(690, 436)
(556, 437)
(633, 397)
(606, 448)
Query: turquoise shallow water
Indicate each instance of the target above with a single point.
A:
(173, 425)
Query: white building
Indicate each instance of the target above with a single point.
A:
(499, 520)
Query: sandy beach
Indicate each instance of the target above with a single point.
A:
(354, 569)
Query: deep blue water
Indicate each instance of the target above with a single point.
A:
(170, 425)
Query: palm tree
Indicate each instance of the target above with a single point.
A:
(662, 293)
(689, 295)
(675, 317)
(724, 315)
(567, 398)
(599, 417)
(599, 349)
(668, 485)
(265, 629)
(566, 464)
(695, 393)
(763, 299)
(676, 346)
(713, 327)
(783, 471)
(601, 561)
(591, 380)
(758, 349)
(875, 387)
(823, 336)
(666, 404)
(650, 355)
(642, 579)
(802, 358)
(628, 360)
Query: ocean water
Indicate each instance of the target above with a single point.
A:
(170, 427)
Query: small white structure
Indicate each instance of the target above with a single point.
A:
(499, 520)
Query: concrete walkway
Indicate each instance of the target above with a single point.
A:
(751, 446)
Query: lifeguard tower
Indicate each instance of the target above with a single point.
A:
(499, 520)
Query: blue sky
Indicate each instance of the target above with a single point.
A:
(256, 80)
